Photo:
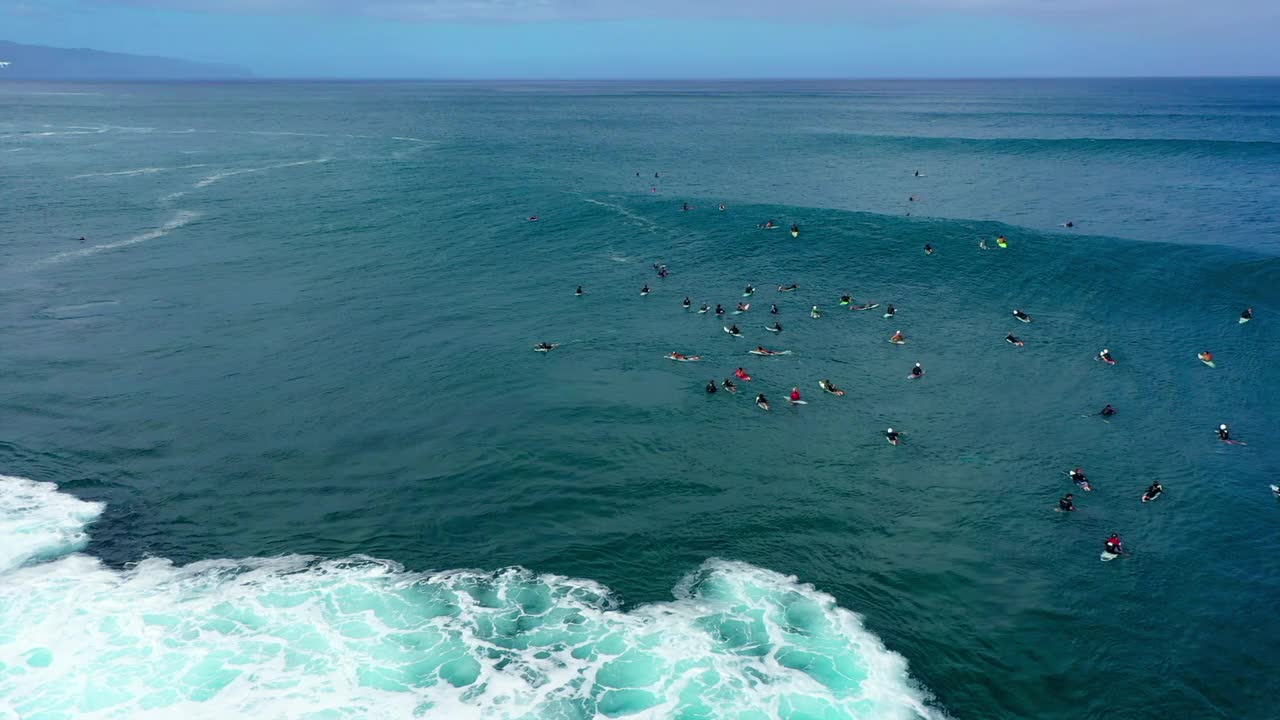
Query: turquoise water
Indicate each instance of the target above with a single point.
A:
(274, 442)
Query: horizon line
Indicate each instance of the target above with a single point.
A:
(797, 79)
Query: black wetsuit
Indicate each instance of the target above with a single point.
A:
(1108, 411)
(917, 371)
(892, 436)
(773, 310)
(719, 310)
(1247, 314)
(1079, 478)
(1020, 315)
(1154, 490)
(1113, 547)
(728, 385)
(711, 387)
(1224, 434)
(1012, 339)
(1066, 505)
(891, 310)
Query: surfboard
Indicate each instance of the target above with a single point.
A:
(731, 333)
(1206, 362)
(888, 315)
(1108, 557)
(1275, 489)
(799, 402)
(704, 311)
(1024, 319)
(769, 354)
(772, 329)
(898, 342)
(542, 349)
(1153, 497)
(827, 388)
(891, 440)
(845, 302)
(795, 233)
(1244, 320)
(687, 358)
(642, 293)
(763, 406)
(1109, 362)
(871, 306)
(787, 289)
(913, 376)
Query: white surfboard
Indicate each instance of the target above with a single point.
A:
(738, 335)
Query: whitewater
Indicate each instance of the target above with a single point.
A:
(303, 637)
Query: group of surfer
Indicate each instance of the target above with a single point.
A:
(1113, 546)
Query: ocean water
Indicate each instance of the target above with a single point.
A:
(273, 442)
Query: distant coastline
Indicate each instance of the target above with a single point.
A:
(37, 62)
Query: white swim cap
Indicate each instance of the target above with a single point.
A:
(1222, 426)
(889, 430)
(897, 332)
(1104, 350)
(917, 364)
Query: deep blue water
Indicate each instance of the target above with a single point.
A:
(299, 440)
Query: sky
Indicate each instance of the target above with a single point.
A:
(673, 39)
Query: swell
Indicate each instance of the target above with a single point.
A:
(1109, 147)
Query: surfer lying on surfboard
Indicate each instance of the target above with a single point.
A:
(892, 436)
(1013, 340)
(898, 338)
(1077, 477)
(762, 402)
(829, 387)
(917, 372)
(1105, 356)
(548, 347)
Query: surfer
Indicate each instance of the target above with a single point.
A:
(1105, 356)
(815, 312)
(1224, 434)
(982, 244)
(733, 330)
(662, 271)
(762, 402)
(768, 225)
(928, 249)
(917, 173)
(1153, 492)
(742, 307)
(760, 350)
(578, 291)
(830, 387)
(644, 290)
(1022, 316)
(1002, 242)
(1078, 477)
(548, 347)
(1068, 224)
(890, 311)
(845, 299)
(1206, 357)
(1245, 316)
(686, 304)
(1113, 545)
(1012, 340)
(722, 207)
(711, 388)
(1108, 411)
(82, 238)
(728, 385)
(742, 375)
(788, 288)
(678, 356)
(532, 218)
(891, 435)
(795, 394)
(897, 338)
(795, 229)
(911, 199)
(749, 291)
(684, 207)
(777, 327)
(705, 307)
(773, 308)
(719, 310)
(1067, 503)
(917, 371)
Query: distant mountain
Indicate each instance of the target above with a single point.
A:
(36, 62)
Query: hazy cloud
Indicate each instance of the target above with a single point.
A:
(1187, 14)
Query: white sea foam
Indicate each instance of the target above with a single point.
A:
(219, 176)
(639, 219)
(298, 637)
(39, 523)
(138, 171)
(180, 218)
